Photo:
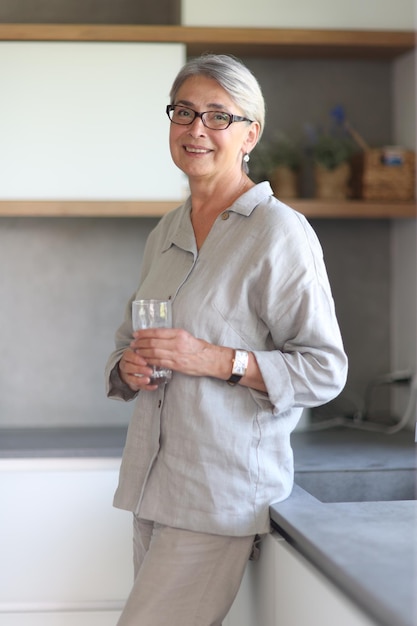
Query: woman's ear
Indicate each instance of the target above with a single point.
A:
(252, 137)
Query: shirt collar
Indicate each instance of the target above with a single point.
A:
(181, 232)
(249, 200)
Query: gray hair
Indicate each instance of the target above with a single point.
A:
(233, 76)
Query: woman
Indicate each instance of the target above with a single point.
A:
(255, 340)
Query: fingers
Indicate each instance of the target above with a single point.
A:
(164, 338)
(154, 337)
(157, 346)
(173, 348)
(134, 371)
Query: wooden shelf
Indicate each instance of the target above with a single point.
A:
(310, 208)
(264, 42)
(85, 208)
(354, 209)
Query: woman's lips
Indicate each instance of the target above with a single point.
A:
(196, 150)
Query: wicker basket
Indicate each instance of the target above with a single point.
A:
(373, 178)
(284, 182)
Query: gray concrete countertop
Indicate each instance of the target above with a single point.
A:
(60, 442)
(368, 549)
(345, 448)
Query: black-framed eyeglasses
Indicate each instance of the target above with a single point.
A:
(215, 120)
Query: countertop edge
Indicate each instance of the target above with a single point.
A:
(374, 605)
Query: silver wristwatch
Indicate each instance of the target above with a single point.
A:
(240, 365)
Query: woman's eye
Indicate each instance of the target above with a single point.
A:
(217, 116)
(183, 112)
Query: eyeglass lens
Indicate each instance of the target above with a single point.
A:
(217, 120)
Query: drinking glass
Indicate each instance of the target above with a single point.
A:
(153, 314)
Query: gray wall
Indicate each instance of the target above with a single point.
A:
(358, 263)
(63, 288)
(91, 11)
(64, 282)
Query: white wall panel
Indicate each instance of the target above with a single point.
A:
(86, 120)
(366, 14)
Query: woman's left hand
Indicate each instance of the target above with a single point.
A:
(179, 351)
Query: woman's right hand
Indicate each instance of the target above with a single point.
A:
(134, 371)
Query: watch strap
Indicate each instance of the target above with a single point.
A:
(234, 379)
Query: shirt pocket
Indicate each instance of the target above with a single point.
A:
(241, 326)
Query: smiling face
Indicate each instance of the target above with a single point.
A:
(204, 153)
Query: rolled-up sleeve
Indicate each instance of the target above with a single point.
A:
(311, 366)
(307, 365)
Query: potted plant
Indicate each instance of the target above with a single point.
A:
(331, 154)
(329, 151)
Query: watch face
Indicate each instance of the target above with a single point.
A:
(240, 363)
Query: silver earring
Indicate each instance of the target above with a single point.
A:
(246, 158)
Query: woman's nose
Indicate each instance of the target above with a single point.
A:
(197, 126)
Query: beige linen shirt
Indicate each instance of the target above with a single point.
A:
(201, 454)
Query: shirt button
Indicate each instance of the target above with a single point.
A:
(159, 404)
(225, 216)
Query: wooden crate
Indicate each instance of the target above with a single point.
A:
(373, 178)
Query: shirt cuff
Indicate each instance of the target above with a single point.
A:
(117, 388)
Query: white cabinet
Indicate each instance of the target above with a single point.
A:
(75, 618)
(65, 551)
(284, 589)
